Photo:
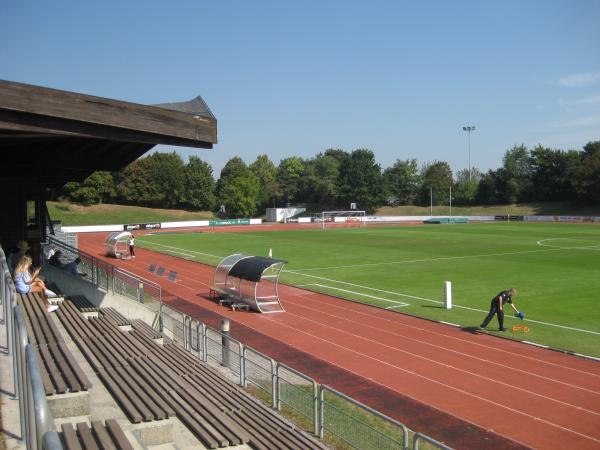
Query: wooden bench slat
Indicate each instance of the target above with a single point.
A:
(144, 392)
(66, 372)
(49, 369)
(86, 437)
(82, 379)
(102, 436)
(128, 408)
(47, 380)
(70, 437)
(117, 434)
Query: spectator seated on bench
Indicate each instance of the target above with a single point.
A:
(26, 282)
(70, 267)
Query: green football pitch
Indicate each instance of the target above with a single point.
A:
(554, 267)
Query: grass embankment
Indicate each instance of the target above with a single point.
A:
(70, 214)
(519, 209)
(73, 214)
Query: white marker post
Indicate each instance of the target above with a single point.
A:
(448, 294)
(270, 253)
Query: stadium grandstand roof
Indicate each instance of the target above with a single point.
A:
(49, 137)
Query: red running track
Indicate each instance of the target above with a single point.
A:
(469, 390)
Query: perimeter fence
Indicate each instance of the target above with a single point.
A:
(343, 423)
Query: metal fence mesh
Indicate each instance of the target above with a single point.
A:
(172, 322)
(297, 396)
(259, 371)
(228, 355)
(346, 424)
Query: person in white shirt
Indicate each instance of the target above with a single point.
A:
(131, 247)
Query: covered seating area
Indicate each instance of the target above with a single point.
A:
(251, 281)
(117, 245)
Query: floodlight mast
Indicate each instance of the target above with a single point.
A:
(469, 129)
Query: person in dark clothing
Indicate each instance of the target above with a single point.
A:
(497, 307)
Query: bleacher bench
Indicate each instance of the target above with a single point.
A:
(82, 303)
(151, 381)
(114, 315)
(94, 437)
(59, 371)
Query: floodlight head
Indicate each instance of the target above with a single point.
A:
(464, 128)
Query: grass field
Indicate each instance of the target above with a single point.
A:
(555, 268)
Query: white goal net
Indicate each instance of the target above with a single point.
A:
(351, 218)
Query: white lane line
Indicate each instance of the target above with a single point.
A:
(371, 318)
(439, 302)
(397, 304)
(435, 362)
(418, 375)
(177, 249)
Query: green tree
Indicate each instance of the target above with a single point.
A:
(437, 180)
(200, 185)
(156, 181)
(238, 189)
(465, 188)
(489, 188)
(588, 175)
(239, 195)
(402, 181)
(518, 173)
(554, 173)
(360, 181)
(99, 187)
(288, 176)
(266, 173)
(318, 184)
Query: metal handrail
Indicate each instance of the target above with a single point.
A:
(418, 437)
(35, 417)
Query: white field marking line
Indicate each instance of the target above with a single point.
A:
(430, 380)
(179, 248)
(411, 261)
(449, 366)
(582, 247)
(437, 301)
(398, 304)
(445, 348)
(444, 335)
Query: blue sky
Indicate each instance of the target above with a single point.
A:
(295, 78)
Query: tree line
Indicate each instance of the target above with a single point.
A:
(335, 178)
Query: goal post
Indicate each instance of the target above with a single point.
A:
(351, 218)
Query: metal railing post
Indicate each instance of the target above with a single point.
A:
(43, 418)
(242, 364)
(51, 441)
(321, 412)
(225, 343)
(19, 367)
(204, 343)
